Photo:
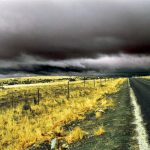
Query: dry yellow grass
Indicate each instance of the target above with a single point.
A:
(99, 131)
(98, 114)
(76, 134)
(146, 77)
(18, 130)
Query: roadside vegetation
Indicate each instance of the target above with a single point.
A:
(119, 130)
(57, 114)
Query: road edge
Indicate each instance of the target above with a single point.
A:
(142, 136)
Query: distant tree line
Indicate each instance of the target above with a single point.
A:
(27, 81)
(31, 81)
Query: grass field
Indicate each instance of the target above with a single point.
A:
(67, 113)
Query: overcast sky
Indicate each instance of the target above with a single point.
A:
(99, 35)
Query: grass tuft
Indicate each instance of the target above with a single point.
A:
(99, 131)
(76, 134)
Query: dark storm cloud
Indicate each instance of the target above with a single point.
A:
(68, 29)
(121, 63)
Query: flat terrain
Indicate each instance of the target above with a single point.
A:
(120, 133)
(118, 122)
(65, 110)
(82, 114)
(141, 88)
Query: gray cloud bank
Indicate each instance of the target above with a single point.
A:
(121, 63)
(73, 29)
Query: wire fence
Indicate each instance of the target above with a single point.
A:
(12, 96)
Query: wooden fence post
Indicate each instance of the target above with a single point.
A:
(38, 96)
(100, 82)
(12, 97)
(84, 81)
(68, 90)
(94, 82)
